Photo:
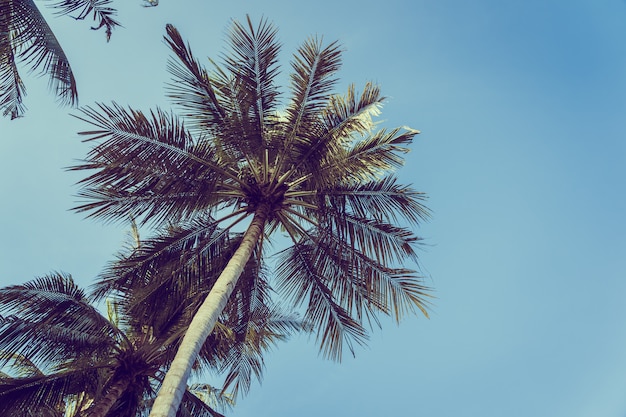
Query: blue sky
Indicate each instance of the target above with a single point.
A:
(521, 107)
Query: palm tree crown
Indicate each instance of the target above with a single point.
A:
(313, 167)
(67, 359)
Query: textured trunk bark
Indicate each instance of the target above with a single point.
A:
(114, 392)
(175, 382)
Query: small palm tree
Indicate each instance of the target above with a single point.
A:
(95, 366)
(26, 37)
(314, 168)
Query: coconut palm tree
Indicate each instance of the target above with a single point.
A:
(313, 169)
(26, 38)
(95, 366)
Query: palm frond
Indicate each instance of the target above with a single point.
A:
(370, 158)
(26, 37)
(344, 119)
(379, 240)
(180, 266)
(139, 167)
(366, 285)
(311, 84)
(11, 85)
(50, 320)
(253, 63)
(192, 88)
(352, 113)
(302, 280)
(19, 365)
(22, 396)
(383, 200)
(202, 400)
(262, 330)
(100, 9)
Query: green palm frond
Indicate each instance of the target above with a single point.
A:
(80, 9)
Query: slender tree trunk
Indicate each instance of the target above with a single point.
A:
(114, 392)
(175, 382)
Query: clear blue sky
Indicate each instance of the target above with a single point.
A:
(522, 108)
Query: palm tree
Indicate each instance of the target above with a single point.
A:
(96, 366)
(314, 169)
(26, 37)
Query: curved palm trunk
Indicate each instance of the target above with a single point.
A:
(175, 382)
(114, 392)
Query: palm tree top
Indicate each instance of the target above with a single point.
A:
(315, 168)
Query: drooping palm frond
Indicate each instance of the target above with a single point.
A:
(266, 326)
(303, 281)
(50, 324)
(156, 269)
(202, 400)
(26, 37)
(50, 319)
(12, 89)
(80, 9)
(61, 392)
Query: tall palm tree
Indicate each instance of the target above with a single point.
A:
(25, 37)
(95, 366)
(313, 168)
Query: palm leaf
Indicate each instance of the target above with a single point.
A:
(311, 84)
(11, 85)
(253, 63)
(384, 200)
(140, 163)
(46, 392)
(102, 12)
(192, 87)
(301, 280)
(49, 320)
(26, 37)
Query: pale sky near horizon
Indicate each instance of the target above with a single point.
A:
(521, 106)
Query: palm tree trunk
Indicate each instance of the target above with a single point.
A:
(114, 392)
(175, 382)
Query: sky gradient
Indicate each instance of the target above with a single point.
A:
(522, 110)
